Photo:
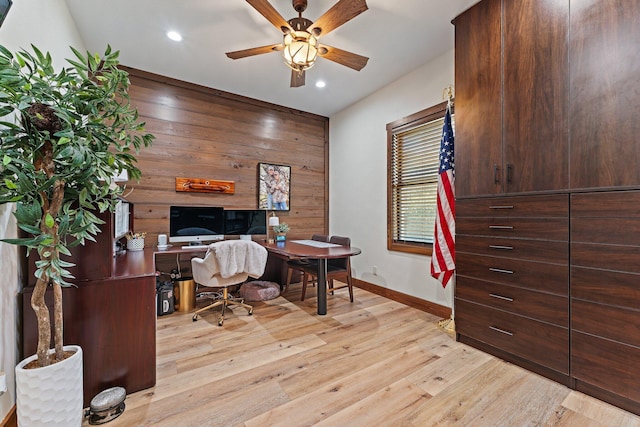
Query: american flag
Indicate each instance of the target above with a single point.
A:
(444, 253)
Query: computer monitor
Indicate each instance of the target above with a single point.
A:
(196, 224)
(245, 222)
(121, 220)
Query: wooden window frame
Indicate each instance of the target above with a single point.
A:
(407, 123)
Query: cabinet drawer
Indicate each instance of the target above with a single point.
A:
(539, 342)
(530, 228)
(610, 204)
(607, 287)
(615, 231)
(606, 364)
(608, 257)
(551, 278)
(556, 205)
(537, 305)
(614, 323)
(532, 250)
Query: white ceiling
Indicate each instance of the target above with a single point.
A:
(396, 35)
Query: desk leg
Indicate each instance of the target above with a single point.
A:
(322, 286)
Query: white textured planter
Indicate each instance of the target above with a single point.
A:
(50, 396)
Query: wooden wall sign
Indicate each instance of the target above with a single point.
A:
(201, 185)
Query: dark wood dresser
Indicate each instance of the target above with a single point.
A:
(512, 281)
(548, 189)
(111, 314)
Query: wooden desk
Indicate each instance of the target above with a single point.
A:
(113, 319)
(292, 249)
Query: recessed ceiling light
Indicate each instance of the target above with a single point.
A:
(176, 37)
(320, 83)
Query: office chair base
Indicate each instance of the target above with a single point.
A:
(224, 302)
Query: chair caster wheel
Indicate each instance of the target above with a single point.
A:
(220, 322)
(195, 318)
(250, 312)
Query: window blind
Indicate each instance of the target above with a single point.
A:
(414, 180)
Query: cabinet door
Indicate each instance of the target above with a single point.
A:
(605, 107)
(478, 101)
(93, 260)
(535, 107)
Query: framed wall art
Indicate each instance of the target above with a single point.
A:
(274, 187)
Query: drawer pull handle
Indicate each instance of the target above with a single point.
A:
(507, 248)
(501, 207)
(501, 297)
(500, 270)
(501, 227)
(502, 331)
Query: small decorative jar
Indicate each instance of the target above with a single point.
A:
(135, 241)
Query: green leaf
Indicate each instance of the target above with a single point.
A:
(49, 221)
(31, 242)
(7, 54)
(5, 110)
(6, 160)
(32, 229)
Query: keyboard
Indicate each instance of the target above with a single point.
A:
(196, 247)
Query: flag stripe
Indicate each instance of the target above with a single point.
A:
(443, 255)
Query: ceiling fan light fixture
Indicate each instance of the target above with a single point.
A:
(300, 50)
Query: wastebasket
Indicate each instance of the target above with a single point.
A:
(185, 294)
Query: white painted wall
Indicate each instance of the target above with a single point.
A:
(48, 25)
(358, 180)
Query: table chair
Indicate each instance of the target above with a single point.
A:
(228, 263)
(338, 268)
(300, 264)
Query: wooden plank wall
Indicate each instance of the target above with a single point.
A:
(205, 133)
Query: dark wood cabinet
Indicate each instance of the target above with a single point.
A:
(605, 295)
(478, 100)
(511, 97)
(98, 252)
(566, 83)
(110, 313)
(536, 91)
(113, 320)
(512, 291)
(604, 107)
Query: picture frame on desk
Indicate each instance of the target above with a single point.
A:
(274, 187)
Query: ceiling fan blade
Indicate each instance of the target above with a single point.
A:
(272, 15)
(341, 12)
(297, 78)
(254, 51)
(342, 57)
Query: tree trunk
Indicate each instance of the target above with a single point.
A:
(43, 117)
(57, 321)
(44, 324)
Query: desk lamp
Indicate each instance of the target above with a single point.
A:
(273, 221)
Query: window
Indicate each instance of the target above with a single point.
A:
(413, 145)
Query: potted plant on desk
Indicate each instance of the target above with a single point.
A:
(281, 231)
(63, 137)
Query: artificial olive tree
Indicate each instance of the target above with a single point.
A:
(63, 136)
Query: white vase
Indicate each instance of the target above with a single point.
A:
(136, 244)
(51, 395)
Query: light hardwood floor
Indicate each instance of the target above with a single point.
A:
(375, 362)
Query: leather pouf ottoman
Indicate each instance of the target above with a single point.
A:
(259, 290)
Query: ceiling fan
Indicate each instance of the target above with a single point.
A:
(300, 47)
